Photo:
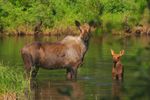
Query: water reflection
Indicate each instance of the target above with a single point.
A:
(38, 38)
(117, 90)
(1, 38)
(55, 90)
(94, 77)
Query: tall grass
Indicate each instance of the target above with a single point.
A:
(11, 79)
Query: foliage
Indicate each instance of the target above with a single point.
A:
(62, 13)
(142, 74)
(11, 80)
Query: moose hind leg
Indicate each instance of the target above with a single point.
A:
(27, 64)
(34, 71)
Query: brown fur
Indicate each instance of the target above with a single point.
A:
(68, 53)
(117, 68)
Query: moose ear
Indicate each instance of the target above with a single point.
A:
(112, 52)
(121, 52)
(77, 23)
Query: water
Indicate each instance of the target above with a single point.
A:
(94, 76)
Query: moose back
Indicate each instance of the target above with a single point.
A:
(67, 53)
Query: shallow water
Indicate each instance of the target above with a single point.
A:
(94, 76)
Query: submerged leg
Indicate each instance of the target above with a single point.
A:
(114, 76)
(69, 76)
(27, 64)
(71, 73)
(34, 71)
(74, 73)
(120, 76)
(75, 68)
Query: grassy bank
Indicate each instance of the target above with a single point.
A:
(58, 16)
(11, 80)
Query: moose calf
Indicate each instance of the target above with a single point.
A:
(67, 53)
(117, 68)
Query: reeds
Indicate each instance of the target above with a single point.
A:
(11, 79)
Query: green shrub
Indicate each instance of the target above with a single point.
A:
(11, 79)
(63, 13)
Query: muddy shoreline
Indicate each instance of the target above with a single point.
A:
(138, 30)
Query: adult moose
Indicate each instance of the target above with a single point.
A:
(67, 53)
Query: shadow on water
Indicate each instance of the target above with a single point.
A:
(94, 76)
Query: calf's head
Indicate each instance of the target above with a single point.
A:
(116, 57)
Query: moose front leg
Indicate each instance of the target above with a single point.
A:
(74, 73)
(71, 73)
(69, 76)
(72, 70)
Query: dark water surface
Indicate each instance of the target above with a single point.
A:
(94, 76)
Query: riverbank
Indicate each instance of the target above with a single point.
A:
(24, 17)
(43, 31)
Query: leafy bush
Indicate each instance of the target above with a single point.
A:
(62, 13)
(11, 80)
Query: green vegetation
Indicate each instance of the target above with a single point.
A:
(11, 80)
(142, 74)
(22, 15)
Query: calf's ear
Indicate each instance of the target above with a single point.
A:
(112, 52)
(121, 52)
